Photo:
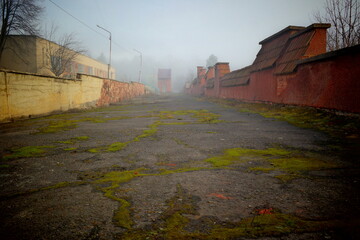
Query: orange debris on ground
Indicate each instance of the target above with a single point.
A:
(218, 195)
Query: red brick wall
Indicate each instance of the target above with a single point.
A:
(315, 78)
(329, 80)
(332, 82)
(114, 91)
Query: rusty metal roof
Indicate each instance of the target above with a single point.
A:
(296, 49)
(272, 48)
(237, 77)
(164, 73)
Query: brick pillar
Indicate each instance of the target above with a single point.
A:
(221, 68)
(199, 70)
(210, 73)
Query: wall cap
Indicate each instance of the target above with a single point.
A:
(38, 75)
(311, 27)
(289, 28)
(220, 63)
(336, 53)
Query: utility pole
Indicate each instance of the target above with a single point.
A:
(140, 64)
(109, 65)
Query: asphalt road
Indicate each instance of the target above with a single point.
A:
(172, 167)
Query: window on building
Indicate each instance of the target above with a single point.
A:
(43, 55)
(56, 62)
(80, 68)
(91, 71)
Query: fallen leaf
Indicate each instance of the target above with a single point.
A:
(265, 211)
(218, 195)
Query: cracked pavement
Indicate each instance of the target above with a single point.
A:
(173, 167)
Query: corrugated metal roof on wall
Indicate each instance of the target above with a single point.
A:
(236, 78)
(295, 51)
(269, 53)
(272, 48)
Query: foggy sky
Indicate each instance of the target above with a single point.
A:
(177, 34)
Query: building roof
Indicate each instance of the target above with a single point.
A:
(296, 49)
(272, 47)
(236, 78)
(164, 73)
(279, 33)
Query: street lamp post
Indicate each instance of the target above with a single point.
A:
(109, 65)
(140, 64)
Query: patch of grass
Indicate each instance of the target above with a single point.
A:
(175, 224)
(207, 117)
(66, 142)
(63, 122)
(299, 164)
(333, 123)
(58, 185)
(70, 149)
(117, 146)
(27, 152)
(114, 147)
(270, 225)
(74, 139)
(81, 138)
(287, 177)
(153, 128)
(179, 170)
(294, 164)
(4, 166)
(93, 119)
(262, 169)
(57, 126)
(202, 116)
(242, 155)
(122, 216)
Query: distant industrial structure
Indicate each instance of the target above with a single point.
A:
(30, 54)
(164, 80)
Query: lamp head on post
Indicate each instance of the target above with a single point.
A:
(109, 65)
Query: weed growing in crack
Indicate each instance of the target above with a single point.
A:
(27, 152)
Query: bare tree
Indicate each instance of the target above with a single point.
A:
(344, 16)
(61, 51)
(211, 61)
(18, 16)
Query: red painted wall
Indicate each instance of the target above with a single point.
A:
(330, 80)
(326, 80)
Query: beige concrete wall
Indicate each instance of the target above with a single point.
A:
(24, 95)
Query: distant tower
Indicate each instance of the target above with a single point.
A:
(164, 80)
